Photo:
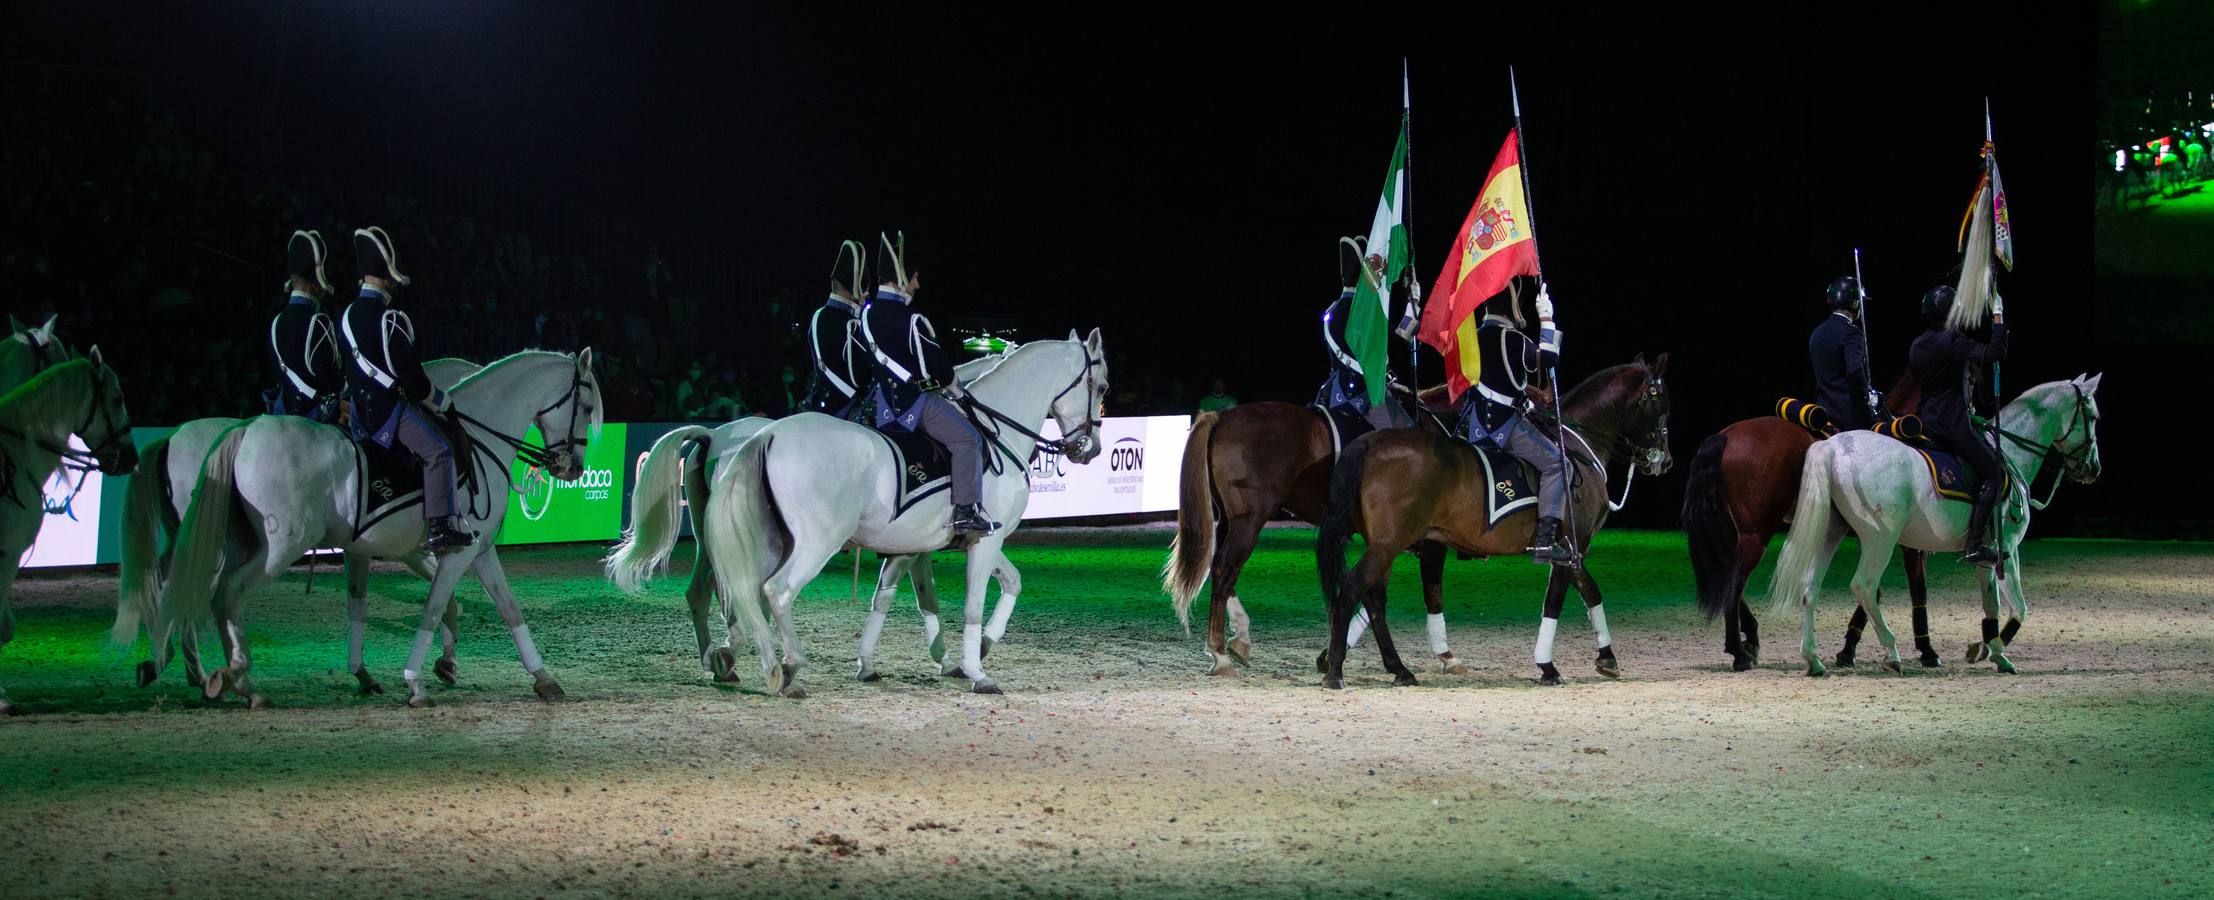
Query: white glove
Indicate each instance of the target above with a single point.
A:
(1998, 303)
(1544, 305)
(953, 392)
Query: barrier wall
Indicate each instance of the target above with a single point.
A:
(1136, 472)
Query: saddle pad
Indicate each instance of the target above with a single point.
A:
(1954, 479)
(1513, 483)
(925, 468)
(390, 479)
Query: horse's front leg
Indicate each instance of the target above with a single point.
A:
(449, 574)
(1589, 590)
(981, 558)
(1549, 624)
(2012, 592)
(926, 606)
(357, 622)
(494, 579)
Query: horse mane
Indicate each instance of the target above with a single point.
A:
(1590, 389)
(534, 353)
(35, 399)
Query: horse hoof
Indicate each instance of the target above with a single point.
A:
(872, 677)
(1334, 683)
(793, 692)
(369, 684)
(1460, 669)
(1741, 663)
(1609, 667)
(147, 674)
(1815, 670)
(1404, 679)
(258, 701)
(419, 701)
(950, 670)
(1892, 666)
(1930, 661)
(2006, 666)
(1322, 663)
(1242, 651)
(787, 681)
(549, 690)
(215, 686)
(1550, 679)
(1752, 653)
(723, 665)
(1978, 652)
(1224, 670)
(444, 669)
(984, 686)
(9, 709)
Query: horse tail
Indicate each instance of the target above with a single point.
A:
(1192, 552)
(656, 510)
(1800, 563)
(144, 502)
(737, 516)
(1337, 521)
(196, 558)
(1710, 529)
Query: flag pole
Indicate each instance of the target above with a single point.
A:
(1991, 165)
(1552, 375)
(1867, 369)
(1413, 311)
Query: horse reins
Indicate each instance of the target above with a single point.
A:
(1060, 446)
(534, 455)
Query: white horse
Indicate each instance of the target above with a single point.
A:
(149, 523)
(278, 486)
(657, 518)
(1881, 490)
(80, 397)
(800, 489)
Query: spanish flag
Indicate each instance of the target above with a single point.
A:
(1496, 243)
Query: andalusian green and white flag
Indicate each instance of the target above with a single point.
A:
(1368, 333)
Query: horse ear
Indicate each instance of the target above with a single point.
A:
(94, 356)
(1093, 341)
(1072, 336)
(1660, 366)
(1639, 361)
(14, 324)
(2092, 386)
(584, 359)
(48, 328)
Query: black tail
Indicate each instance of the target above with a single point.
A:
(1337, 523)
(1713, 534)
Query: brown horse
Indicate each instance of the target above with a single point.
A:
(1241, 466)
(1402, 487)
(1743, 483)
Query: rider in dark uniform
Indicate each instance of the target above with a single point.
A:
(1939, 360)
(1839, 350)
(393, 398)
(1346, 391)
(1492, 412)
(834, 338)
(911, 372)
(303, 347)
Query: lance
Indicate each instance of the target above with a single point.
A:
(1552, 376)
(1411, 317)
(1867, 373)
(1991, 168)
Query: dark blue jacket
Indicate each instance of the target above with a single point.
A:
(908, 360)
(383, 369)
(1509, 359)
(1939, 360)
(1841, 380)
(303, 349)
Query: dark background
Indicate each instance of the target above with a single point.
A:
(1180, 180)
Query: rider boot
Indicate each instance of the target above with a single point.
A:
(969, 518)
(1546, 545)
(1978, 542)
(446, 534)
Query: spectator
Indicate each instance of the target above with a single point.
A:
(1218, 399)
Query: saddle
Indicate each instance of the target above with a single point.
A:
(1954, 479)
(925, 468)
(1513, 482)
(390, 479)
(1345, 426)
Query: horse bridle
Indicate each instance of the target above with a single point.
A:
(1092, 421)
(84, 461)
(2073, 462)
(534, 455)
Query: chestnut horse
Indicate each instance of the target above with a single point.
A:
(1402, 487)
(1744, 481)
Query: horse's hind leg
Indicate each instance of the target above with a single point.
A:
(188, 645)
(1589, 588)
(1556, 588)
(494, 579)
(1229, 630)
(1917, 569)
(1010, 588)
(1875, 556)
(1849, 654)
(889, 571)
(807, 557)
(1374, 603)
(1745, 654)
(926, 606)
(357, 622)
(717, 661)
(237, 674)
(1431, 555)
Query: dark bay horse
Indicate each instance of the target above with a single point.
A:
(1241, 466)
(1402, 487)
(1744, 480)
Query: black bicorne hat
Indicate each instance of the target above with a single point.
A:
(374, 255)
(305, 255)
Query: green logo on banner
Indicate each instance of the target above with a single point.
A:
(541, 509)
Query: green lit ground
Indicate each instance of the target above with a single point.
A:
(1114, 766)
(2166, 235)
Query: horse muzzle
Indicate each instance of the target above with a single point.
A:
(1657, 462)
(1081, 449)
(122, 461)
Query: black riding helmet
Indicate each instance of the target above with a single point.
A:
(1938, 303)
(1844, 292)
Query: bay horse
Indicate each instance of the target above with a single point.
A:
(1241, 466)
(1402, 486)
(1743, 482)
(1886, 493)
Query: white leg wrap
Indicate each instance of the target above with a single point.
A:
(1437, 634)
(997, 628)
(972, 651)
(1359, 624)
(930, 627)
(1546, 629)
(1599, 626)
(411, 675)
(531, 662)
(355, 636)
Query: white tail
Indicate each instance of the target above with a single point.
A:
(1801, 561)
(145, 503)
(196, 559)
(737, 516)
(656, 510)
